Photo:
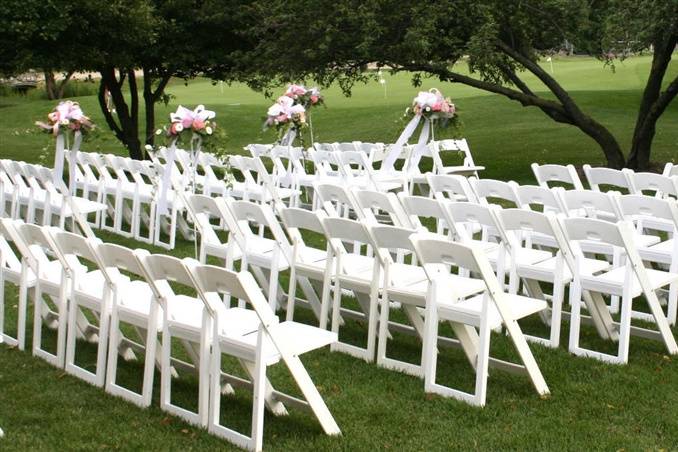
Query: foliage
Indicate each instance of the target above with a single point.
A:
(500, 42)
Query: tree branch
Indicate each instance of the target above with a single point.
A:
(526, 100)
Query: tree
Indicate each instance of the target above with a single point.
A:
(500, 41)
(136, 46)
(37, 35)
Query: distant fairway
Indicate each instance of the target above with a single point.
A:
(504, 136)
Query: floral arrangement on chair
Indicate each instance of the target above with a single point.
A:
(432, 106)
(291, 113)
(67, 115)
(429, 108)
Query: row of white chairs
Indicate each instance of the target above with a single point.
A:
(68, 274)
(29, 192)
(604, 179)
(361, 272)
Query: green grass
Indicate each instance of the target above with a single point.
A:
(592, 406)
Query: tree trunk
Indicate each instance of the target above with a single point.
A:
(652, 104)
(50, 85)
(151, 97)
(607, 142)
(126, 128)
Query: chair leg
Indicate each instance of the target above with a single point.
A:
(625, 328)
(258, 396)
(482, 364)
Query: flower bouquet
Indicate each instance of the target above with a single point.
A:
(432, 106)
(66, 116)
(291, 113)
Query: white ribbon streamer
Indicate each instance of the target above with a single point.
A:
(167, 178)
(58, 172)
(397, 148)
(72, 160)
(288, 138)
(420, 148)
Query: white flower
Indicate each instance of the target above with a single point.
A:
(158, 132)
(64, 122)
(425, 98)
(148, 147)
(208, 130)
(178, 127)
(295, 109)
(275, 110)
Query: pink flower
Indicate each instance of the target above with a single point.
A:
(314, 99)
(198, 124)
(54, 116)
(281, 117)
(438, 106)
(176, 128)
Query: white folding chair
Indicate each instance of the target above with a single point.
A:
(257, 339)
(378, 207)
(472, 318)
(132, 304)
(353, 271)
(51, 292)
(409, 292)
(629, 280)
(184, 318)
(670, 169)
(440, 148)
(564, 175)
(645, 211)
(203, 210)
(655, 185)
(521, 226)
(307, 262)
(91, 290)
(15, 269)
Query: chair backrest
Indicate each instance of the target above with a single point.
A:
(655, 184)
(202, 208)
(592, 230)
(466, 215)
(563, 174)
(638, 207)
(376, 203)
(8, 237)
(260, 215)
(592, 204)
(608, 177)
(160, 270)
(343, 229)
(116, 257)
(451, 186)
(324, 161)
(36, 242)
(488, 190)
(389, 239)
(533, 196)
(438, 255)
(337, 200)
(419, 208)
(670, 169)
(214, 283)
(258, 150)
(355, 164)
(296, 220)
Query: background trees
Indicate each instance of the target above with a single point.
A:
(136, 46)
(500, 42)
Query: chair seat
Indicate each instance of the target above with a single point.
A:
(661, 252)
(612, 282)
(523, 256)
(469, 311)
(545, 270)
(461, 170)
(415, 293)
(297, 338)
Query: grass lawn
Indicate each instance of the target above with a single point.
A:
(592, 406)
